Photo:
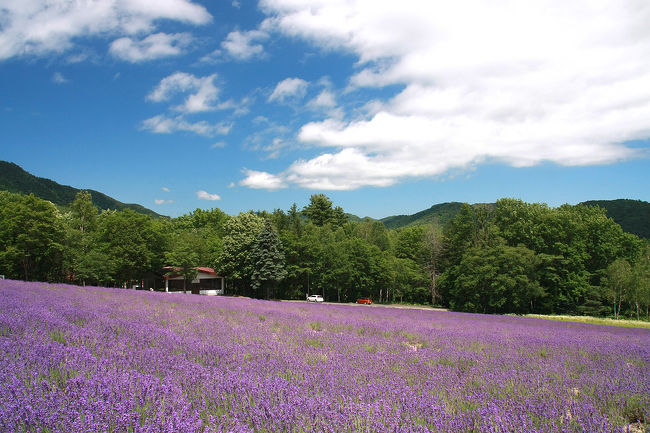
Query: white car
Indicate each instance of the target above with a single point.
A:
(315, 298)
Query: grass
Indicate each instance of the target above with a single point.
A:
(594, 320)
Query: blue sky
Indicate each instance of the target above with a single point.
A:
(387, 107)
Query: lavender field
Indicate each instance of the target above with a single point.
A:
(108, 360)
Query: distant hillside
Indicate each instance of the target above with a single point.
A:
(14, 179)
(440, 213)
(632, 215)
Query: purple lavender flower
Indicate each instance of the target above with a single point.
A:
(95, 359)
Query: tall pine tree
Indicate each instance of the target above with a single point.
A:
(267, 260)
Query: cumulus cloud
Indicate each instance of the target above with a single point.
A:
(517, 83)
(262, 180)
(164, 188)
(36, 27)
(244, 45)
(152, 47)
(203, 195)
(162, 124)
(161, 201)
(203, 93)
(289, 88)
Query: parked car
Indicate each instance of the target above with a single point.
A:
(367, 301)
(315, 298)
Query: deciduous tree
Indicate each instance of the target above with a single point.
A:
(319, 211)
(619, 279)
(235, 259)
(183, 256)
(498, 279)
(31, 237)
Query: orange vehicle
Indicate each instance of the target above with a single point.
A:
(367, 301)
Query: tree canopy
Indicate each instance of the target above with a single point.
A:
(512, 257)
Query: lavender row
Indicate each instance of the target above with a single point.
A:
(108, 360)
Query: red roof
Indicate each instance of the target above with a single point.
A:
(206, 270)
(203, 269)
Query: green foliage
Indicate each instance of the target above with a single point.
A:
(433, 248)
(31, 238)
(84, 212)
(408, 281)
(83, 262)
(499, 279)
(513, 257)
(212, 219)
(632, 215)
(408, 243)
(575, 244)
(235, 259)
(267, 260)
(319, 211)
(572, 247)
(199, 232)
(373, 232)
(132, 242)
(472, 227)
(619, 282)
(640, 291)
(294, 220)
(184, 255)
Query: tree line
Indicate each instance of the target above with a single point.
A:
(512, 257)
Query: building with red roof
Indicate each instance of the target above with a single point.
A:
(206, 282)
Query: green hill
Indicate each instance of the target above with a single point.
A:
(632, 215)
(440, 213)
(14, 179)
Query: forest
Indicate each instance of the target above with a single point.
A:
(512, 257)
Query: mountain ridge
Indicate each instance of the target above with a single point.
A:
(14, 178)
(632, 215)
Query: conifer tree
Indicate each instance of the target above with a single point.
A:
(267, 260)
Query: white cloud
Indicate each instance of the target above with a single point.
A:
(203, 93)
(239, 107)
(262, 180)
(79, 57)
(203, 195)
(520, 83)
(162, 124)
(325, 99)
(244, 45)
(152, 47)
(269, 137)
(36, 27)
(289, 88)
(160, 201)
(58, 78)
(164, 188)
